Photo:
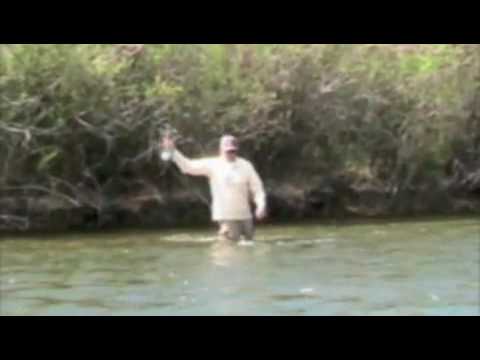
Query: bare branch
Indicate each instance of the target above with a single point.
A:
(25, 132)
(67, 198)
(10, 221)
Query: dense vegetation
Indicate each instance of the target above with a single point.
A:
(80, 125)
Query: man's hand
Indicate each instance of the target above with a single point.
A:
(260, 214)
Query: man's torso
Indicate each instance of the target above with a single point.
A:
(229, 184)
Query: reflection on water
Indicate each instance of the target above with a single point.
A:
(376, 269)
(223, 254)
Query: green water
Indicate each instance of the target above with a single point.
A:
(407, 268)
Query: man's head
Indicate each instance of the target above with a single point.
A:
(229, 147)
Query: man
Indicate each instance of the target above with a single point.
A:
(232, 181)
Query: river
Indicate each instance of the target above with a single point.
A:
(378, 268)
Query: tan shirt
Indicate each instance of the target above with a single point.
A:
(231, 184)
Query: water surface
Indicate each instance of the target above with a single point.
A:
(404, 268)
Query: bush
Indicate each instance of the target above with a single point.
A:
(78, 119)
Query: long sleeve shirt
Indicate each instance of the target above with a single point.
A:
(231, 185)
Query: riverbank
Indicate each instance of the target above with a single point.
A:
(286, 204)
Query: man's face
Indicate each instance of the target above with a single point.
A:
(229, 148)
(231, 155)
